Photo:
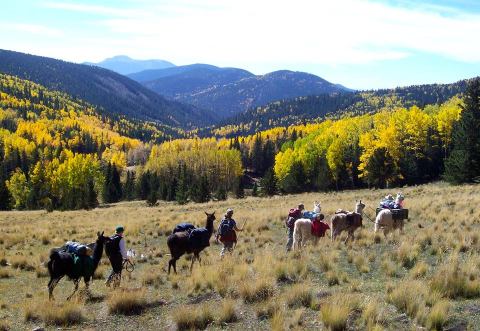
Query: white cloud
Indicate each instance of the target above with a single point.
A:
(251, 32)
(34, 29)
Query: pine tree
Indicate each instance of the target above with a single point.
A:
(268, 156)
(269, 183)
(5, 198)
(239, 188)
(257, 155)
(112, 190)
(255, 190)
(463, 164)
(92, 201)
(143, 187)
(129, 187)
(296, 180)
(181, 192)
(200, 190)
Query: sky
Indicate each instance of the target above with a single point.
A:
(361, 44)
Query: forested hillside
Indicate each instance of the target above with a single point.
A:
(228, 91)
(52, 147)
(115, 93)
(336, 105)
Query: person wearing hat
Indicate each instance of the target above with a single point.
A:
(293, 215)
(117, 253)
(227, 232)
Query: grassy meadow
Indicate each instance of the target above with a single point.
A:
(428, 277)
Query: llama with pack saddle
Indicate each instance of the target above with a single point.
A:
(74, 266)
(390, 219)
(309, 229)
(193, 241)
(347, 221)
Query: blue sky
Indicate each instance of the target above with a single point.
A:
(361, 44)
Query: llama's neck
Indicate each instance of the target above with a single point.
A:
(97, 253)
(359, 210)
(209, 226)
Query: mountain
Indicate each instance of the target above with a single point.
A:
(317, 107)
(125, 65)
(228, 91)
(115, 93)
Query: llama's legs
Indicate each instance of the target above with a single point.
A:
(76, 282)
(376, 228)
(172, 263)
(51, 286)
(195, 256)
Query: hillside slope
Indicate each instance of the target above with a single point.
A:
(115, 93)
(228, 91)
(316, 107)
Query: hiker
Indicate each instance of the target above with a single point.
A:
(117, 253)
(293, 215)
(227, 232)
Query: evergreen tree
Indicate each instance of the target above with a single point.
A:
(152, 198)
(239, 188)
(92, 201)
(255, 190)
(463, 164)
(129, 187)
(200, 191)
(257, 155)
(143, 188)
(296, 180)
(268, 156)
(5, 199)
(112, 191)
(107, 183)
(269, 183)
(221, 193)
(381, 169)
(181, 191)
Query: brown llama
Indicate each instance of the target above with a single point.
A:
(347, 221)
(188, 242)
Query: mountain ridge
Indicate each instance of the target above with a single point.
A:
(229, 91)
(125, 65)
(101, 87)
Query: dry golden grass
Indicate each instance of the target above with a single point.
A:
(431, 272)
(127, 302)
(65, 314)
(335, 312)
(193, 317)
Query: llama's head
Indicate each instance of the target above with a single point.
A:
(316, 207)
(210, 217)
(359, 206)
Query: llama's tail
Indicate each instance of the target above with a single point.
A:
(54, 256)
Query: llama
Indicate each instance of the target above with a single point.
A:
(346, 221)
(188, 242)
(385, 221)
(302, 232)
(63, 264)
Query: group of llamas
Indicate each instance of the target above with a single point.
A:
(181, 241)
(341, 221)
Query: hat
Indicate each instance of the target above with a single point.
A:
(119, 229)
(301, 206)
(229, 210)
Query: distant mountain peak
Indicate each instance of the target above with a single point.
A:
(125, 65)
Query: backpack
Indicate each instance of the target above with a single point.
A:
(225, 228)
(182, 227)
(112, 246)
(293, 215)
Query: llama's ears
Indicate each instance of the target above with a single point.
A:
(206, 213)
(360, 200)
(98, 233)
